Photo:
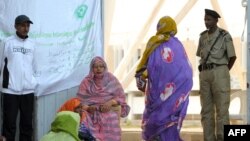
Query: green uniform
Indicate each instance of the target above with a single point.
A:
(215, 82)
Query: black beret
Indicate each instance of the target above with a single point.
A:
(212, 13)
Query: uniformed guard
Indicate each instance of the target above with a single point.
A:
(217, 56)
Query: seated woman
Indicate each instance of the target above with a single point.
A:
(75, 105)
(64, 127)
(104, 100)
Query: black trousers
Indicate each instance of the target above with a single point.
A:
(11, 105)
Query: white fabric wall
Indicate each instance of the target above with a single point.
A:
(68, 35)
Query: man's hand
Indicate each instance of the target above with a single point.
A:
(231, 62)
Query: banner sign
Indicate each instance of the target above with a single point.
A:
(68, 34)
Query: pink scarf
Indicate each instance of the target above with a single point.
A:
(96, 90)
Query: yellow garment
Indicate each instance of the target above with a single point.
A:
(166, 28)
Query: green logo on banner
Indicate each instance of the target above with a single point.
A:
(81, 11)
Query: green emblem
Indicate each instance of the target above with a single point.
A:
(81, 11)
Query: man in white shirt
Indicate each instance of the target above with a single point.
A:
(17, 81)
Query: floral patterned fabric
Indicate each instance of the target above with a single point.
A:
(169, 76)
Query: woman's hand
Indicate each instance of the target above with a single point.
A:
(141, 83)
(107, 106)
(91, 109)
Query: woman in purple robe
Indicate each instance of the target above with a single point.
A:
(167, 73)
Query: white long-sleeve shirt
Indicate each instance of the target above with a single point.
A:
(20, 65)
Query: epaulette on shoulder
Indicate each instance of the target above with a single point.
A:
(223, 32)
(203, 32)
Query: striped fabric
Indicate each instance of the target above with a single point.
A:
(96, 90)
